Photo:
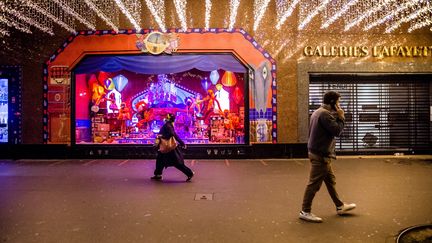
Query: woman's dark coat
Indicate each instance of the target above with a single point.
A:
(176, 156)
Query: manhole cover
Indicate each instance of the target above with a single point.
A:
(204, 196)
(416, 234)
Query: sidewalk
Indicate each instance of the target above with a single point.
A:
(252, 201)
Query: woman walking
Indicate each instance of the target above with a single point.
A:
(175, 156)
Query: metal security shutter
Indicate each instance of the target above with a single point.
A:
(384, 112)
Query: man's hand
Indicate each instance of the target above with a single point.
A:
(340, 111)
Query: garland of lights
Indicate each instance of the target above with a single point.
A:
(283, 17)
(157, 10)
(93, 7)
(260, 7)
(208, 6)
(234, 4)
(50, 16)
(336, 16)
(11, 23)
(419, 25)
(73, 13)
(4, 32)
(368, 13)
(410, 17)
(181, 12)
(126, 12)
(22, 14)
(24, 18)
(306, 20)
(391, 15)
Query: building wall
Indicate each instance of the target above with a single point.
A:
(294, 68)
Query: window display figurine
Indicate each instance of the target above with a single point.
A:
(144, 114)
(209, 104)
(124, 116)
(194, 105)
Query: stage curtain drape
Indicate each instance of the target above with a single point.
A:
(163, 64)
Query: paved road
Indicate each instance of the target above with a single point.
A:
(253, 201)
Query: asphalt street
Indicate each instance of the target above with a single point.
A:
(227, 201)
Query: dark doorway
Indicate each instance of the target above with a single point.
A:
(383, 111)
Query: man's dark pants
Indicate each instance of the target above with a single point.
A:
(321, 170)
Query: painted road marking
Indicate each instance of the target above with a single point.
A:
(263, 162)
(123, 162)
(90, 162)
(227, 163)
(57, 163)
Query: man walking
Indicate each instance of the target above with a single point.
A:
(326, 123)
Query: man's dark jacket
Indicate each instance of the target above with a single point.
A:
(325, 125)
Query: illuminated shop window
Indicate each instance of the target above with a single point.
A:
(4, 107)
(124, 99)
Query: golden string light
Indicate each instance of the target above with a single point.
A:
(234, 4)
(338, 14)
(11, 23)
(129, 12)
(208, 6)
(312, 14)
(157, 8)
(260, 7)
(76, 13)
(373, 8)
(181, 12)
(21, 16)
(94, 6)
(283, 11)
(50, 16)
(25, 15)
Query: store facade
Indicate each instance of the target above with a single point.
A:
(109, 91)
(385, 82)
(385, 86)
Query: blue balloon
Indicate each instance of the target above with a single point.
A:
(214, 77)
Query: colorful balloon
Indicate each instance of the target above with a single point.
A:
(205, 84)
(109, 84)
(214, 77)
(120, 82)
(229, 79)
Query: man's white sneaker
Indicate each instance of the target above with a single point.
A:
(310, 217)
(345, 208)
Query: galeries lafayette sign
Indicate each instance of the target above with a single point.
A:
(363, 51)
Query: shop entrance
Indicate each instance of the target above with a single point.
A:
(384, 112)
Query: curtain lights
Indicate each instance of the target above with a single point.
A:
(50, 16)
(234, 4)
(308, 18)
(372, 8)
(413, 15)
(339, 13)
(392, 14)
(260, 7)
(129, 12)
(75, 10)
(4, 32)
(157, 8)
(94, 6)
(16, 25)
(21, 16)
(208, 6)
(282, 12)
(181, 12)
